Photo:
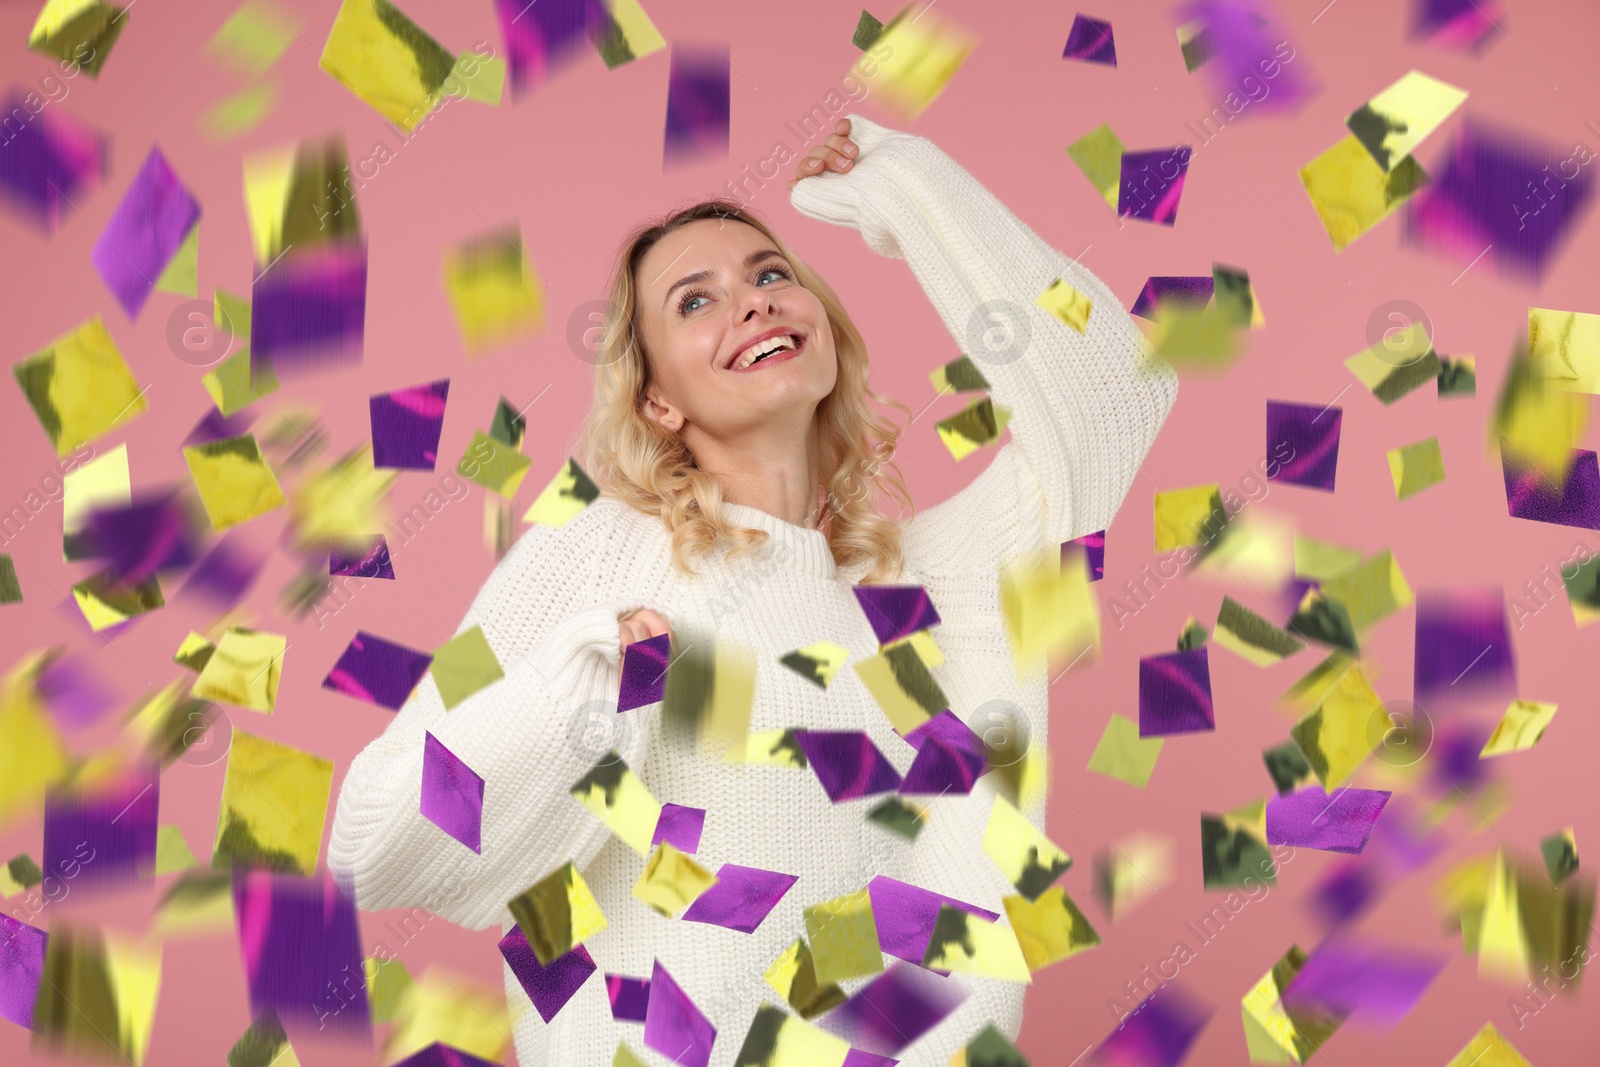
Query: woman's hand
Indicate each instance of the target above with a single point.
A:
(641, 625)
(838, 152)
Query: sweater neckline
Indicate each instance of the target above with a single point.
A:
(793, 548)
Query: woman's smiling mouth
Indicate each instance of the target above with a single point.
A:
(781, 355)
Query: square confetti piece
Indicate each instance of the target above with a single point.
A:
(80, 387)
(377, 671)
(680, 826)
(1124, 755)
(1066, 304)
(1152, 183)
(1175, 694)
(1090, 40)
(550, 986)
(463, 665)
(741, 898)
(1311, 435)
(234, 480)
(406, 425)
(452, 794)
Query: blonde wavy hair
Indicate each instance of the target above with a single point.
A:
(634, 458)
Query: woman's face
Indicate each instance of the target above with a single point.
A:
(705, 291)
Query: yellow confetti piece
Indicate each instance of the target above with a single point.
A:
(818, 662)
(105, 604)
(492, 289)
(1536, 421)
(80, 387)
(463, 665)
(1394, 122)
(979, 423)
(619, 799)
(78, 32)
(793, 975)
(443, 1007)
(960, 375)
(626, 1057)
(970, 944)
(1181, 516)
(899, 681)
(1050, 611)
(1489, 1048)
(1370, 591)
(1317, 561)
(178, 276)
(1565, 348)
(672, 880)
(1029, 860)
(923, 642)
(913, 59)
(33, 756)
(253, 38)
(1520, 728)
(172, 851)
(1137, 868)
(493, 465)
(198, 903)
(1066, 304)
(387, 982)
(1343, 729)
(243, 670)
(1275, 1034)
(240, 381)
(630, 36)
(557, 913)
(103, 482)
(234, 480)
(386, 59)
(1202, 338)
(771, 748)
(1352, 194)
(274, 805)
(1252, 636)
(343, 502)
(1098, 154)
(568, 493)
(1124, 755)
(1049, 929)
(777, 1039)
(1415, 467)
(97, 993)
(843, 936)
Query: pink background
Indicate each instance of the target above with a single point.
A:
(579, 160)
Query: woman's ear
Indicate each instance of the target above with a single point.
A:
(665, 414)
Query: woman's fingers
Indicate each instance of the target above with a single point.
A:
(836, 153)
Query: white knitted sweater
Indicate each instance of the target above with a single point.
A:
(1082, 421)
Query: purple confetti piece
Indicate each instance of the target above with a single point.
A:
(1454, 756)
(741, 898)
(1311, 818)
(1094, 551)
(857, 1058)
(1312, 434)
(308, 308)
(1175, 694)
(452, 794)
(1348, 891)
(1243, 41)
(406, 425)
(543, 38)
(1167, 291)
(549, 988)
(216, 426)
(698, 94)
(1157, 1033)
(950, 757)
(144, 233)
(51, 162)
(362, 559)
(1149, 191)
(22, 949)
(106, 835)
(644, 673)
(894, 1009)
(226, 573)
(1090, 40)
(630, 997)
(378, 671)
(1462, 652)
(673, 1026)
(847, 763)
(300, 942)
(680, 827)
(1361, 979)
(148, 535)
(1463, 24)
(439, 1054)
(1511, 201)
(75, 696)
(1530, 495)
(906, 913)
(896, 611)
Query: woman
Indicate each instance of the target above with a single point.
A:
(737, 503)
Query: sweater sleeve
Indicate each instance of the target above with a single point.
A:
(1085, 407)
(529, 735)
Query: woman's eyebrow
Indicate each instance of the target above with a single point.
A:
(702, 275)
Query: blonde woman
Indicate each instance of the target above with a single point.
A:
(739, 503)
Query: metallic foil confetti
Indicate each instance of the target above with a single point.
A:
(630, 997)
(1029, 860)
(741, 898)
(619, 799)
(1520, 728)
(960, 375)
(673, 1026)
(144, 233)
(1093, 548)
(80, 32)
(976, 425)
(559, 502)
(80, 387)
(22, 955)
(557, 913)
(97, 994)
(671, 881)
(1124, 755)
(542, 40)
(905, 915)
(492, 289)
(1362, 980)
(1560, 852)
(1090, 40)
(1415, 467)
(901, 683)
(464, 665)
(699, 90)
(1310, 818)
(54, 162)
(899, 818)
(680, 826)
(896, 611)
(452, 794)
(644, 672)
(1067, 304)
(917, 57)
(387, 982)
(1049, 929)
(1175, 694)
(382, 56)
(847, 763)
(1050, 612)
(1181, 515)
(243, 670)
(235, 481)
(406, 425)
(963, 942)
(1288, 767)
(1098, 154)
(1156, 1033)
(818, 663)
(950, 757)
(1253, 637)
(626, 35)
(1172, 291)
(105, 602)
(1463, 653)
(778, 1039)
(1274, 1034)
(440, 1007)
(1564, 346)
(364, 558)
(894, 1009)
(1132, 871)
(843, 936)
(493, 465)
(1233, 848)
(264, 1044)
(1151, 184)
(1343, 728)
(1488, 1048)
(308, 311)
(1393, 123)
(793, 974)
(103, 833)
(549, 986)
(274, 805)
(377, 671)
(1351, 193)
(1531, 495)
(1312, 433)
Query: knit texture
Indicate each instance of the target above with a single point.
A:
(1085, 410)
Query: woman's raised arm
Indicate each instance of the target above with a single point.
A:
(524, 734)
